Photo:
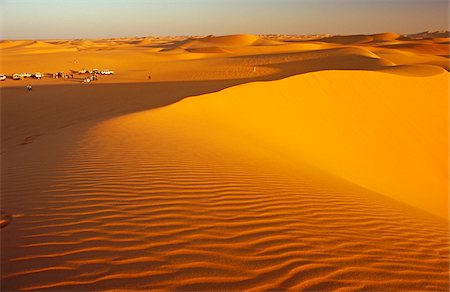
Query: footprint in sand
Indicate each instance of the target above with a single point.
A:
(5, 220)
(30, 139)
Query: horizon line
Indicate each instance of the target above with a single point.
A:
(205, 35)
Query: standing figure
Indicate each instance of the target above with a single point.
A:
(29, 87)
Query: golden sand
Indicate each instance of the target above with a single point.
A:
(245, 163)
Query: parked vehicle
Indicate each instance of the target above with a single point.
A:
(95, 71)
(27, 75)
(2, 77)
(38, 75)
(107, 72)
(17, 76)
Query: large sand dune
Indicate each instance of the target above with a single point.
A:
(321, 169)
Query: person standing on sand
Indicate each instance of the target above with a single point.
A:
(29, 87)
(149, 77)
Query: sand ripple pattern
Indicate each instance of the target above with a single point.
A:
(148, 216)
(194, 197)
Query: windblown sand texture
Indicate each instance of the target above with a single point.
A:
(245, 163)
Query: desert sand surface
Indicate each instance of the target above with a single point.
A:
(245, 163)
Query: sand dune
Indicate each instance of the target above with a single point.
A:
(208, 50)
(382, 113)
(83, 43)
(232, 40)
(385, 37)
(430, 34)
(267, 42)
(206, 201)
(39, 45)
(434, 49)
(14, 44)
(441, 40)
(348, 40)
(155, 56)
(214, 43)
(361, 39)
(243, 164)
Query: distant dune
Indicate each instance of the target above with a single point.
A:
(227, 163)
(385, 37)
(348, 40)
(430, 34)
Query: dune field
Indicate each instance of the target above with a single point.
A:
(227, 163)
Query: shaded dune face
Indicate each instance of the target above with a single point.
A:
(204, 195)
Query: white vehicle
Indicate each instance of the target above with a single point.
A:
(2, 77)
(27, 74)
(95, 71)
(107, 72)
(38, 75)
(17, 76)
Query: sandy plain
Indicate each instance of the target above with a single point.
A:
(244, 163)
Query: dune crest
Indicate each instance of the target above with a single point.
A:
(406, 153)
(232, 40)
(385, 37)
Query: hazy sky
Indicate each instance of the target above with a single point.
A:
(43, 19)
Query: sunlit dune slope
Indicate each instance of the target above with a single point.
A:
(305, 183)
(385, 37)
(231, 40)
(392, 141)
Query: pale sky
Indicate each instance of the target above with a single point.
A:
(53, 19)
